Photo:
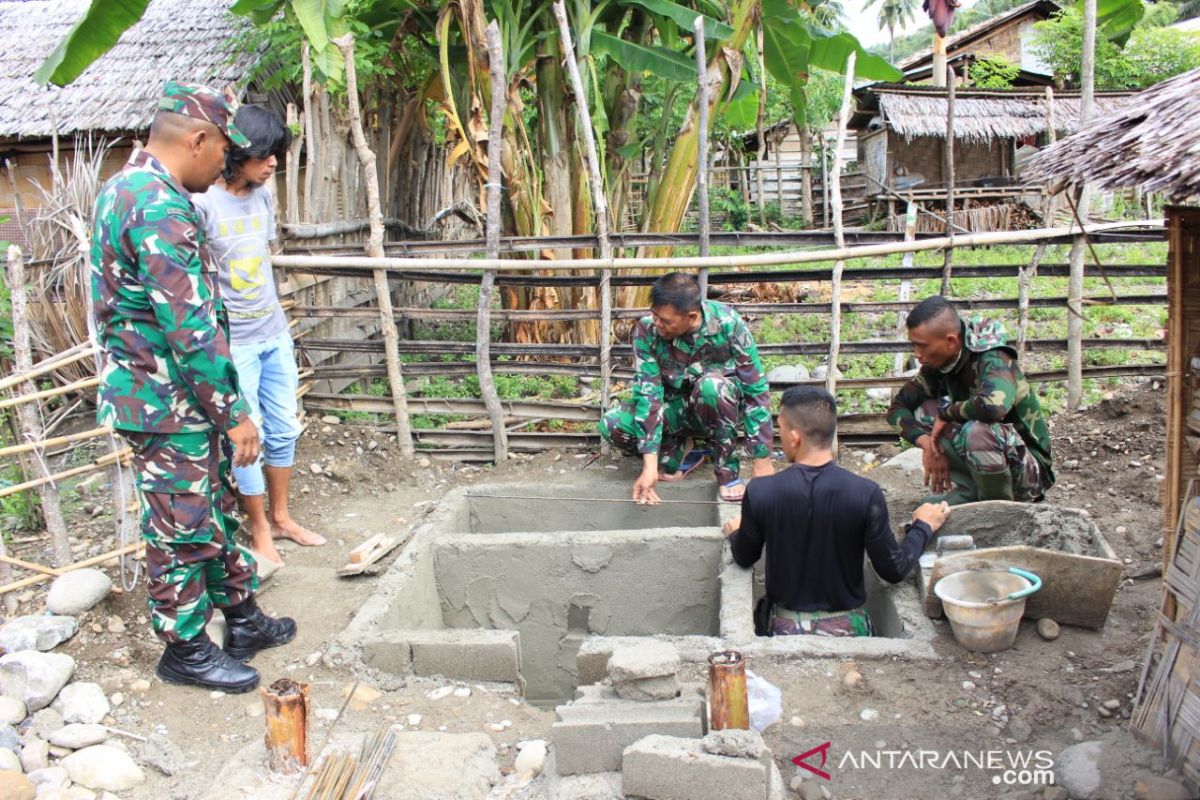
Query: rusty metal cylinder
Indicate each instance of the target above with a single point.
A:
(728, 703)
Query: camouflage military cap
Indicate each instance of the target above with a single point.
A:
(200, 102)
(984, 334)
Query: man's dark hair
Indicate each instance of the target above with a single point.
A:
(267, 134)
(811, 411)
(678, 290)
(929, 309)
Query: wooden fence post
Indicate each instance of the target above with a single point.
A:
(292, 165)
(910, 234)
(702, 147)
(28, 414)
(839, 234)
(599, 203)
(374, 248)
(762, 134)
(1024, 287)
(483, 317)
(948, 259)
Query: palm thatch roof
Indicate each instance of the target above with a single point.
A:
(1152, 143)
(185, 40)
(979, 116)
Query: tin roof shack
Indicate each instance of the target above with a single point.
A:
(1152, 144)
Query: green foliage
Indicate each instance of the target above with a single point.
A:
(90, 37)
(729, 204)
(993, 72)
(1153, 53)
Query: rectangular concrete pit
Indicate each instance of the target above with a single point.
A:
(592, 733)
(556, 590)
(670, 768)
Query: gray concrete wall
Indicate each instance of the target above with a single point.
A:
(557, 590)
(492, 515)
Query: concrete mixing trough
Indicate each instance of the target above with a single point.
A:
(500, 585)
(1080, 572)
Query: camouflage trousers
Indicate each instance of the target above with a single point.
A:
(785, 622)
(710, 411)
(986, 449)
(187, 518)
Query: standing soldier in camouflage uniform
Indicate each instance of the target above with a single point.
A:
(168, 385)
(970, 410)
(697, 374)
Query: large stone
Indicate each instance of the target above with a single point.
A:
(160, 752)
(15, 786)
(9, 739)
(35, 677)
(1077, 769)
(104, 767)
(1153, 787)
(788, 373)
(72, 793)
(79, 735)
(9, 761)
(35, 755)
(910, 461)
(51, 777)
(12, 711)
(82, 702)
(647, 659)
(36, 632)
(45, 722)
(77, 591)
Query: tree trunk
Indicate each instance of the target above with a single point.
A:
(806, 193)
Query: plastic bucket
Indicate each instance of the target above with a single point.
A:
(985, 606)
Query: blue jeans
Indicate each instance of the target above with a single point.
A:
(269, 378)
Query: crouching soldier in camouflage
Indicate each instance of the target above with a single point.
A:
(168, 385)
(697, 376)
(970, 410)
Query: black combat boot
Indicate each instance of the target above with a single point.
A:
(198, 662)
(248, 630)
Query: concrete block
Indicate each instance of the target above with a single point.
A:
(645, 659)
(389, 653)
(661, 688)
(592, 659)
(591, 736)
(671, 768)
(469, 655)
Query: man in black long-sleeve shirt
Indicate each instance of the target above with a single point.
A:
(816, 521)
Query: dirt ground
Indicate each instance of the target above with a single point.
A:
(1108, 460)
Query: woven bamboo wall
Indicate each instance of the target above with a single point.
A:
(1168, 703)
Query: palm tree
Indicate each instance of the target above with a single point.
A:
(894, 14)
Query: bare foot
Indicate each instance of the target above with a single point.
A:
(290, 529)
(732, 492)
(267, 550)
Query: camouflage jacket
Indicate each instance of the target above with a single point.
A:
(159, 319)
(984, 383)
(666, 369)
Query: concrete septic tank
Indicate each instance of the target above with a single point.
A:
(535, 585)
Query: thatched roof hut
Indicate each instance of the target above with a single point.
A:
(1152, 143)
(186, 40)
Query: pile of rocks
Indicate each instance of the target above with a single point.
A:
(54, 736)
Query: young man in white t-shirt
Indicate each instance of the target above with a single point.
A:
(239, 219)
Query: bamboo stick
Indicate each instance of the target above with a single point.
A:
(13, 450)
(292, 165)
(839, 233)
(483, 308)
(359, 264)
(702, 147)
(29, 416)
(374, 248)
(948, 260)
(310, 134)
(99, 463)
(57, 391)
(63, 359)
(1075, 320)
(599, 201)
(91, 562)
(286, 709)
(7, 559)
(728, 702)
(1024, 287)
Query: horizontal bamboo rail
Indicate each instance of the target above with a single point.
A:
(103, 462)
(59, 361)
(54, 442)
(135, 547)
(362, 264)
(57, 391)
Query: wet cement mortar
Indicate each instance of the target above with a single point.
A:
(1039, 695)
